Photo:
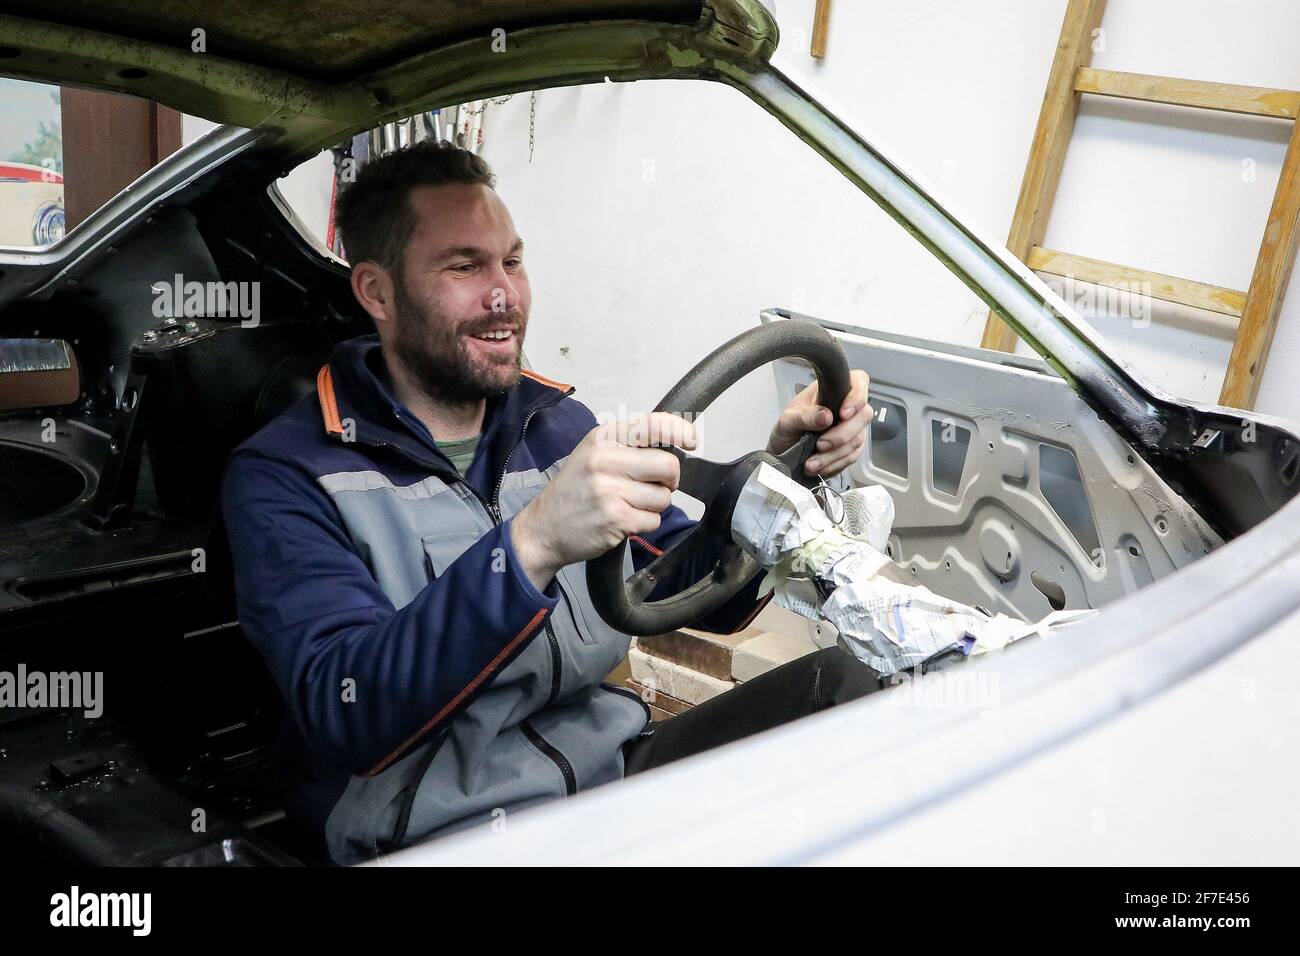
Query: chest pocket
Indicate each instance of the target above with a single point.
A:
(440, 550)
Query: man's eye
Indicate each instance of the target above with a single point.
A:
(464, 267)
(514, 263)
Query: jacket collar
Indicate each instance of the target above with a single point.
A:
(358, 405)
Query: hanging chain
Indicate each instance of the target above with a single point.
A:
(532, 115)
(532, 123)
(495, 101)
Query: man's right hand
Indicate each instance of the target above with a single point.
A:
(616, 483)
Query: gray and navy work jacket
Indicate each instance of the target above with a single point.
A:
(429, 685)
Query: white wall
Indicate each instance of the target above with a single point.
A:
(635, 280)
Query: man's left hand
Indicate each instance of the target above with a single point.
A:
(838, 447)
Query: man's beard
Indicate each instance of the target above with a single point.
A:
(434, 351)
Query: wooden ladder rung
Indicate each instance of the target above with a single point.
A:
(1257, 309)
(1225, 97)
(1199, 295)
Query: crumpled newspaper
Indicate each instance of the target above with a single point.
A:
(888, 625)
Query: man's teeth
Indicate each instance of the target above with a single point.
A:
(499, 334)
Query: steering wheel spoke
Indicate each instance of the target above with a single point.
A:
(700, 478)
(794, 457)
(641, 584)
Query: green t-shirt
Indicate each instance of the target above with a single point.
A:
(461, 451)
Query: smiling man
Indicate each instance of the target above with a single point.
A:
(409, 543)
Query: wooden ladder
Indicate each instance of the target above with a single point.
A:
(1257, 308)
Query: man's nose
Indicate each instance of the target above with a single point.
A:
(501, 294)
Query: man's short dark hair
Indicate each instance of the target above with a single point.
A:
(374, 214)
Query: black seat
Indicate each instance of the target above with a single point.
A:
(288, 383)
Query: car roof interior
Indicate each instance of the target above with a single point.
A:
(341, 39)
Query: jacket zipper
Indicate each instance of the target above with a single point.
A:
(568, 603)
(494, 513)
(492, 507)
(505, 468)
(554, 643)
(553, 753)
(624, 692)
(408, 795)
(557, 758)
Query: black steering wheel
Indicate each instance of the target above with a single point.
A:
(622, 603)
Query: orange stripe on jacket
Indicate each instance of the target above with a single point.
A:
(329, 408)
(456, 701)
(544, 380)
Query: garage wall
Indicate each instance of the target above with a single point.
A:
(955, 89)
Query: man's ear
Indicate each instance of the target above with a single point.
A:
(373, 286)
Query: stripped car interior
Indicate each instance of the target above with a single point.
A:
(1073, 483)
